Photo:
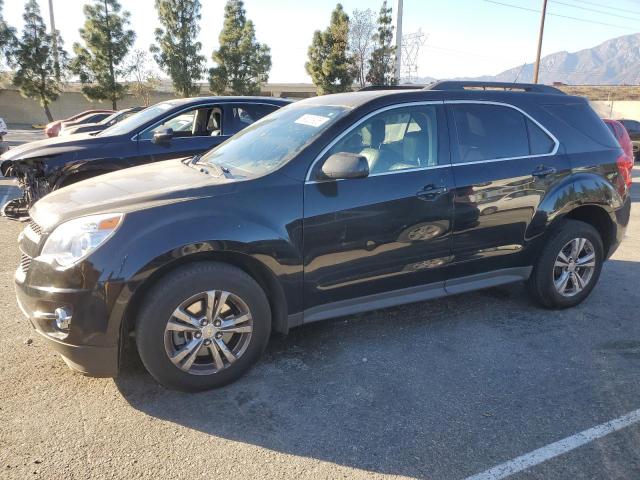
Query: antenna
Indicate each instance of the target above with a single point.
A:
(412, 43)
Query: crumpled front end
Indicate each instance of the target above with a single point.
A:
(31, 180)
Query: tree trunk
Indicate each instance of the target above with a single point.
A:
(113, 103)
(47, 112)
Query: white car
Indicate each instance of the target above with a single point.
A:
(4, 146)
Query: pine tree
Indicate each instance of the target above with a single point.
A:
(7, 36)
(34, 62)
(98, 63)
(177, 52)
(329, 65)
(382, 61)
(243, 63)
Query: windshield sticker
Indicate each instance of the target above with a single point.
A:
(312, 120)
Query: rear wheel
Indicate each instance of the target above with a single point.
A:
(568, 267)
(203, 326)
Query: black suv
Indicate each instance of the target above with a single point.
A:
(171, 129)
(327, 207)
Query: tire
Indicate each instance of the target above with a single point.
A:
(157, 337)
(545, 282)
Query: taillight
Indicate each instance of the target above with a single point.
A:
(625, 167)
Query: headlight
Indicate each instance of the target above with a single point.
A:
(73, 240)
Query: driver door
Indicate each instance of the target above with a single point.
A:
(195, 130)
(384, 235)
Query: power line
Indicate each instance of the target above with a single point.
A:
(633, 12)
(561, 16)
(594, 10)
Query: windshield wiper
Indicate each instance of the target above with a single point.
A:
(222, 170)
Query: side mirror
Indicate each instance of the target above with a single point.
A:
(163, 136)
(342, 166)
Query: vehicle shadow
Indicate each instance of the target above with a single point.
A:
(396, 391)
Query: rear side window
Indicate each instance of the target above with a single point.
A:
(493, 132)
(539, 142)
(244, 115)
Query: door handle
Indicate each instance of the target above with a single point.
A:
(431, 192)
(543, 171)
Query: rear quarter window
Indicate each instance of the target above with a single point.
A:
(581, 117)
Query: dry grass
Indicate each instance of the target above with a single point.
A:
(603, 92)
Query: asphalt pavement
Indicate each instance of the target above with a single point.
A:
(437, 390)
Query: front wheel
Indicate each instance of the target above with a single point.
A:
(569, 266)
(203, 326)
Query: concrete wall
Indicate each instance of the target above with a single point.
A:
(18, 110)
(618, 109)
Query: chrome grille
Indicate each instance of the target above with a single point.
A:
(33, 232)
(25, 263)
(36, 228)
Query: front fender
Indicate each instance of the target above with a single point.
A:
(161, 244)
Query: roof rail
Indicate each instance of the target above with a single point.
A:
(392, 87)
(463, 85)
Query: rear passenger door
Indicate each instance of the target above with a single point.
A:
(504, 162)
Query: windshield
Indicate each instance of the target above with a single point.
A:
(274, 140)
(109, 118)
(136, 120)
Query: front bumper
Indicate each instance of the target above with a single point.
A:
(87, 347)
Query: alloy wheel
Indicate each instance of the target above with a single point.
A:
(574, 267)
(208, 332)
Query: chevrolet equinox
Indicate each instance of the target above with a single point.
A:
(327, 207)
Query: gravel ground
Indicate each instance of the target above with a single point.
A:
(440, 390)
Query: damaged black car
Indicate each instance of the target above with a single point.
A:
(171, 129)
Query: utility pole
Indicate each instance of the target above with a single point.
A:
(536, 71)
(398, 38)
(54, 41)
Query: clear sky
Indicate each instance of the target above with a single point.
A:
(463, 37)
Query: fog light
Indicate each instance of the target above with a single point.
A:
(63, 318)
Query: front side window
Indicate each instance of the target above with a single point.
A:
(202, 121)
(494, 132)
(400, 139)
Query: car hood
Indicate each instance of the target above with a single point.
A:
(53, 146)
(128, 190)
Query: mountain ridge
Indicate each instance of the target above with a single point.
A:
(613, 62)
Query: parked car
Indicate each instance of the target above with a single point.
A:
(85, 120)
(622, 135)
(52, 129)
(331, 206)
(102, 124)
(633, 128)
(176, 128)
(4, 146)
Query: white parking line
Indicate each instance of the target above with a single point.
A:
(560, 447)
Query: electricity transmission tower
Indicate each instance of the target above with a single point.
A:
(412, 44)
